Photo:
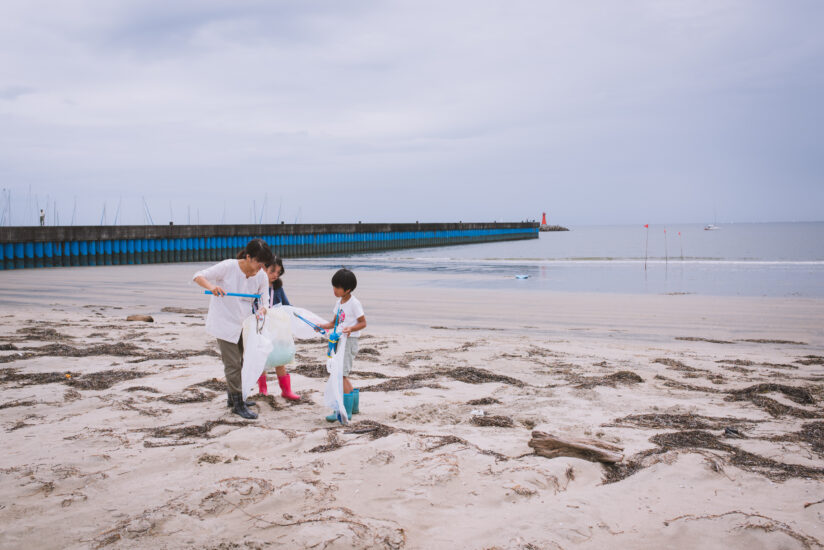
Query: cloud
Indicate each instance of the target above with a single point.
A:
(416, 110)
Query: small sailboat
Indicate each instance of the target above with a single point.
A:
(712, 226)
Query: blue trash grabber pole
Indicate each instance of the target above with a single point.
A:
(239, 295)
(310, 323)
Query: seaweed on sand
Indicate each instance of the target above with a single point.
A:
(811, 433)
(675, 365)
(776, 409)
(681, 421)
(119, 349)
(670, 383)
(311, 370)
(444, 440)
(795, 393)
(471, 375)
(620, 377)
(495, 421)
(92, 381)
(42, 333)
(413, 381)
(185, 311)
(483, 401)
(334, 443)
(190, 395)
(696, 339)
(367, 374)
(768, 341)
(698, 440)
(10, 404)
(375, 430)
(195, 430)
(27, 379)
(142, 388)
(212, 384)
(104, 379)
(16, 356)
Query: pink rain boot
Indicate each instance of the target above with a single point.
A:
(262, 388)
(286, 388)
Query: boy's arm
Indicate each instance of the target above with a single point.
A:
(360, 325)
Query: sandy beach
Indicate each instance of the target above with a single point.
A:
(116, 433)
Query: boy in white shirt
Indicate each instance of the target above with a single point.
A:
(350, 318)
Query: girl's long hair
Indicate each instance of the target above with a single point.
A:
(278, 261)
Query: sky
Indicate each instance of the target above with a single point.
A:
(596, 112)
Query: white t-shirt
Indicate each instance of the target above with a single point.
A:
(350, 311)
(226, 313)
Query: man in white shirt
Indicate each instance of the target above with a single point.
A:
(244, 275)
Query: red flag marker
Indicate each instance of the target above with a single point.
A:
(646, 247)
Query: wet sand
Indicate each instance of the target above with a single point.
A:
(117, 434)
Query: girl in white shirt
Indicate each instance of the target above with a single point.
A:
(244, 275)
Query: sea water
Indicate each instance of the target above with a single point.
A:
(768, 259)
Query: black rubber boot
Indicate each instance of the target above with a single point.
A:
(249, 402)
(239, 407)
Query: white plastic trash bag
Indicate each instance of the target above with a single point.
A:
(267, 342)
(279, 327)
(304, 322)
(333, 396)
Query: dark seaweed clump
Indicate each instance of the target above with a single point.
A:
(483, 401)
(811, 433)
(213, 384)
(471, 375)
(190, 395)
(103, 380)
(311, 370)
(701, 439)
(612, 380)
(410, 382)
(495, 421)
(334, 443)
(797, 394)
(92, 381)
(197, 430)
(682, 421)
(375, 430)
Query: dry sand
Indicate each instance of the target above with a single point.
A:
(716, 402)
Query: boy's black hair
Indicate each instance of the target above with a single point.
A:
(257, 249)
(278, 261)
(345, 279)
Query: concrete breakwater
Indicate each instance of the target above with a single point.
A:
(31, 247)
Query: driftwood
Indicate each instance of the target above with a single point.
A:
(144, 318)
(593, 450)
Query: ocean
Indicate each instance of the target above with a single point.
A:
(747, 259)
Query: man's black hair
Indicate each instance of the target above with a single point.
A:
(345, 279)
(257, 249)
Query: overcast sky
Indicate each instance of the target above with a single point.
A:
(336, 111)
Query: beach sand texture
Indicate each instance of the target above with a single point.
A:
(116, 434)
